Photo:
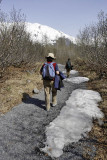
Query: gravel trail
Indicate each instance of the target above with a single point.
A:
(22, 130)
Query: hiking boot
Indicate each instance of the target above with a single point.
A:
(54, 105)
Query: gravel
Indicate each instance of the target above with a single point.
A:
(22, 130)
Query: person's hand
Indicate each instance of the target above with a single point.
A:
(57, 72)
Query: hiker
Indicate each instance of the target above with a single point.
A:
(48, 72)
(68, 67)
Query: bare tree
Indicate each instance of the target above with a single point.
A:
(92, 42)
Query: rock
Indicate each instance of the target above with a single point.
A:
(36, 91)
(28, 81)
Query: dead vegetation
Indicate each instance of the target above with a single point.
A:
(17, 81)
(98, 133)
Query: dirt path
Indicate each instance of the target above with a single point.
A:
(22, 130)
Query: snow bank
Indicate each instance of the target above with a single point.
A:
(77, 80)
(74, 121)
(72, 72)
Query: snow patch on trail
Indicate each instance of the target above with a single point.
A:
(74, 121)
(77, 80)
(72, 72)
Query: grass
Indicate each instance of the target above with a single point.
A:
(98, 132)
(18, 81)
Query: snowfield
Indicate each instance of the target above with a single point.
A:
(43, 33)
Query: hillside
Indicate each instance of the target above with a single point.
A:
(42, 33)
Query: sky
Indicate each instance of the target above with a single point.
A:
(75, 118)
(68, 16)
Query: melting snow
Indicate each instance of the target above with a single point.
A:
(71, 72)
(74, 121)
(77, 80)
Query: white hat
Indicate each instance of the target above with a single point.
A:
(50, 55)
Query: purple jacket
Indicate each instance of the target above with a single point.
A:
(58, 83)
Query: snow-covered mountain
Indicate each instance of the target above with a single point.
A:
(43, 33)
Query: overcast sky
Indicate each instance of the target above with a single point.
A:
(68, 16)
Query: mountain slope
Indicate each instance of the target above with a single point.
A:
(43, 34)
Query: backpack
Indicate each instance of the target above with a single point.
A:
(68, 65)
(48, 71)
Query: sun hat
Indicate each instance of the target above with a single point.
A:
(51, 55)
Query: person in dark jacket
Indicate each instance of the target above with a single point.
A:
(49, 83)
(68, 67)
